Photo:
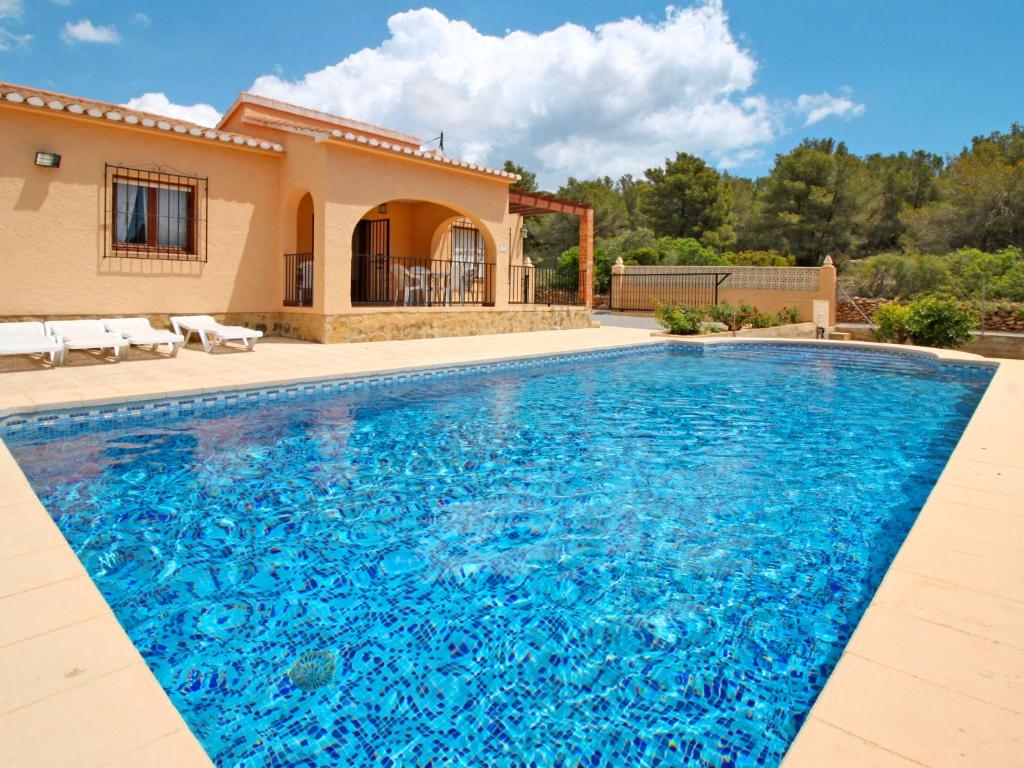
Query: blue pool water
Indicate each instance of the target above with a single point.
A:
(647, 558)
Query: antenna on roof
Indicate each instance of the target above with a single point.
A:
(439, 139)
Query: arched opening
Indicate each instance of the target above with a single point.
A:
(298, 265)
(416, 252)
(304, 220)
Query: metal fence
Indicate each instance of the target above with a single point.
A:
(640, 291)
(413, 280)
(298, 279)
(544, 285)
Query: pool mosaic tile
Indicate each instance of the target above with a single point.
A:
(642, 557)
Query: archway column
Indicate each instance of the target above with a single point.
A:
(536, 204)
(336, 257)
(586, 218)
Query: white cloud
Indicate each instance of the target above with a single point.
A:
(11, 9)
(9, 40)
(609, 100)
(85, 31)
(816, 107)
(140, 19)
(159, 104)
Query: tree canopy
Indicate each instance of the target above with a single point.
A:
(819, 198)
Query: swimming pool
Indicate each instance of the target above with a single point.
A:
(644, 556)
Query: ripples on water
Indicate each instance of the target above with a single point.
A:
(654, 559)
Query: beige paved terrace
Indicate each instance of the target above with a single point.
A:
(934, 674)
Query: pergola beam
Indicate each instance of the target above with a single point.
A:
(533, 204)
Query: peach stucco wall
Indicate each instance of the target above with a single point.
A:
(355, 177)
(51, 222)
(52, 236)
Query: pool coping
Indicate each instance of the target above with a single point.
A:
(65, 613)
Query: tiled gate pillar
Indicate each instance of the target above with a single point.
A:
(586, 217)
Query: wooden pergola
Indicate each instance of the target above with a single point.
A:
(535, 204)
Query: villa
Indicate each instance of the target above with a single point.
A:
(300, 223)
(498, 536)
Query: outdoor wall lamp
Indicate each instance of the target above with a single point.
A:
(48, 159)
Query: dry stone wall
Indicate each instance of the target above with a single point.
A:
(999, 318)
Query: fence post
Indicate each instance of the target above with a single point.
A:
(827, 287)
(529, 284)
(618, 272)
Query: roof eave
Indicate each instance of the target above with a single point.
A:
(76, 108)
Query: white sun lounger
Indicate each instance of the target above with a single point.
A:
(211, 332)
(88, 334)
(140, 333)
(30, 338)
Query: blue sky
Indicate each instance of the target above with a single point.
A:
(735, 81)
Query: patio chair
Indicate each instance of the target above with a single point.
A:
(30, 338)
(211, 332)
(88, 334)
(414, 280)
(140, 333)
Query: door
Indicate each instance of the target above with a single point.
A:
(371, 257)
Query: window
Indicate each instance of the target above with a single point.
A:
(158, 215)
(467, 246)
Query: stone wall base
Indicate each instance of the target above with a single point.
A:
(381, 326)
(1004, 345)
(386, 324)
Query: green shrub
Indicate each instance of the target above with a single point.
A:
(787, 316)
(735, 317)
(685, 251)
(935, 322)
(890, 275)
(1010, 284)
(758, 259)
(732, 317)
(677, 318)
(891, 322)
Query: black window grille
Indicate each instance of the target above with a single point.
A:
(467, 246)
(155, 214)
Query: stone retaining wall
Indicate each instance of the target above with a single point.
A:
(381, 326)
(386, 324)
(993, 344)
(1002, 318)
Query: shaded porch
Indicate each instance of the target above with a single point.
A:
(419, 253)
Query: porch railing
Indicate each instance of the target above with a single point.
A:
(416, 280)
(543, 285)
(640, 291)
(298, 279)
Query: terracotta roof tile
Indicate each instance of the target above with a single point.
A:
(59, 102)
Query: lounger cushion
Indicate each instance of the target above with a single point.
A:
(235, 332)
(23, 330)
(75, 328)
(195, 321)
(95, 341)
(154, 337)
(128, 325)
(138, 331)
(29, 346)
